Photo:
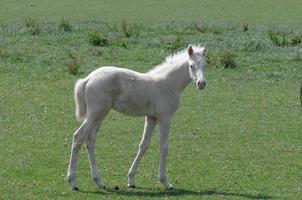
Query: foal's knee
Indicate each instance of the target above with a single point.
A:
(78, 139)
(143, 148)
(75, 147)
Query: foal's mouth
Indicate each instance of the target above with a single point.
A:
(201, 87)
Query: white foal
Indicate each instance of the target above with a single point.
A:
(154, 94)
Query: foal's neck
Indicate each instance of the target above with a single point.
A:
(175, 77)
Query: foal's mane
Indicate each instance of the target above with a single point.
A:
(175, 59)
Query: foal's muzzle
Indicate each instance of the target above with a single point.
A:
(201, 84)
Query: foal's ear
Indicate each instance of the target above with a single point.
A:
(204, 51)
(190, 50)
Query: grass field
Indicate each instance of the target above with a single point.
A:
(258, 11)
(239, 139)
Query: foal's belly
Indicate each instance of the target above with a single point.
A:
(133, 106)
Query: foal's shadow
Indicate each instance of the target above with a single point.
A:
(141, 192)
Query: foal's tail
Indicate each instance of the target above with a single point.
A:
(79, 96)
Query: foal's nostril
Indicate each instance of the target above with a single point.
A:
(201, 83)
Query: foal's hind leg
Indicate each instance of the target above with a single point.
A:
(150, 123)
(86, 133)
(94, 122)
(78, 139)
(98, 107)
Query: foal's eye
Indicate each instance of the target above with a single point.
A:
(191, 66)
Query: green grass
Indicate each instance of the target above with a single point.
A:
(238, 139)
(269, 12)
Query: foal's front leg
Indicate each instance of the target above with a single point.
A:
(164, 125)
(150, 123)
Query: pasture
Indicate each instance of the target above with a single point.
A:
(240, 138)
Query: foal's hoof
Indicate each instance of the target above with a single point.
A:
(99, 182)
(102, 186)
(75, 189)
(131, 186)
(171, 188)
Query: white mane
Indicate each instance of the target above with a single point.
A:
(176, 59)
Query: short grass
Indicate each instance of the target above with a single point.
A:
(255, 12)
(238, 139)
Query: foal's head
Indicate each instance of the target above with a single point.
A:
(197, 65)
